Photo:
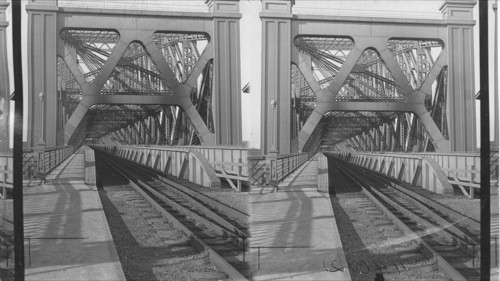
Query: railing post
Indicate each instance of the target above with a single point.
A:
(4, 191)
(40, 160)
(284, 162)
(272, 159)
(472, 178)
(240, 168)
(289, 165)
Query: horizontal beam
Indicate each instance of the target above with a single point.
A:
(368, 106)
(135, 99)
(151, 21)
(324, 26)
(368, 19)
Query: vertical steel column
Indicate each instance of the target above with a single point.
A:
(226, 107)
(18, 141)
(4, 81)
(460, 107)
(495, 79)
(42, 66)
(276, 20)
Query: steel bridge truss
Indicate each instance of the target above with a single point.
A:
(135, 74)
(374, 131)
(140, 125)
(370, 80)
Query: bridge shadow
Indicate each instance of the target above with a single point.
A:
(53, 224)
(136, 258)
(305, 176)
(287, 236)
(60, 222)
(338, 184)
(370, 254)
(350, 239)
(383, 260)
(143, 255)
(67, 171)
(110, 179)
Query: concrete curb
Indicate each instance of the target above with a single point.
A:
(111, 243)
(90, 181)
(341, 253)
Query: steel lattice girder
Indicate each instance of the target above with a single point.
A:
(180, 50)
(321, 49)
(135, 69)
(410, 99)
(106, 118)
(145, 127)
(367, 80)
(345, 125)
(403, 132)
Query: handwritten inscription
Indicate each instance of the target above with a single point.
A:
(365, 267)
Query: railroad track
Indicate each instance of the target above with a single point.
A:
(372, 242)
(444, 235)
(213, 227)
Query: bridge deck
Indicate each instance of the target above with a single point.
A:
(296, 231)
(69, 237)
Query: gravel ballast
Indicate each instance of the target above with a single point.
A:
(148, 246)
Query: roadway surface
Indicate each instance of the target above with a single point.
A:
(294, 232)
(66, 231)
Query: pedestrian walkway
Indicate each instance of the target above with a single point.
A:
(66, 231)
(294, 233)
(305, 177)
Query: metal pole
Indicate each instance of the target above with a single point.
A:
(485, 142)
(18, 143)
(42, 113)
(40, 145)
(273, 152)
(273, 106)
(495, 78)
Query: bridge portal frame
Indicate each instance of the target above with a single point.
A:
(455, 31)
(46, 20)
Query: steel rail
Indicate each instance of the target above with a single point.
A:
(213, 222)
(443, 223)
(213, 256)
(241, 217)
(442, 264)
(471, 223)
(228, 211)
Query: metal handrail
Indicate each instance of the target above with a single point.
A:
(44, 160)
(460, 169)
(287, 164)
(236, 169)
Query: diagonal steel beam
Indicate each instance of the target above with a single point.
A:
(107, 68)
(396, 72)
(70, 61)
(207, 55)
